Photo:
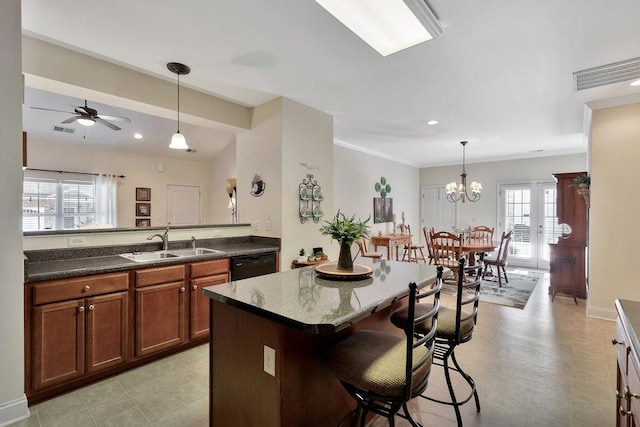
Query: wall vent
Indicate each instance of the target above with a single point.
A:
(607, 74)
(63, 129)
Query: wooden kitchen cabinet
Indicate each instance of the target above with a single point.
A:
(628, 369)
(161, 311)
(202, 274)
(81, 335)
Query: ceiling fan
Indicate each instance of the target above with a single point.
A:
(87, 116)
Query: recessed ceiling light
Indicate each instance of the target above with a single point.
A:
(137, 136)
(432, 122)
(635, 83)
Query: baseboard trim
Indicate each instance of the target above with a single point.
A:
(14, 411)
(601, 312)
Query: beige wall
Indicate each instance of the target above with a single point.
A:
(139, 171)
(356, 174)
(284, 135)
(13, 403)
(222, 167)
(613, 222)
(491, 174)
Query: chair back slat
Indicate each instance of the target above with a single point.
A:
(413, 341)
(467, 301)
(446, 247)
(503, 251)
(482, 232)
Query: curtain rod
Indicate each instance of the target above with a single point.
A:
(77, 173)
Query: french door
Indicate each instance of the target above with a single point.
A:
(529, 209)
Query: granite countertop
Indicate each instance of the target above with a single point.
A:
(629, 312)
(301, 300)
(39, 267)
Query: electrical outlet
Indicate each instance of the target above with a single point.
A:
(255, 225)
(267, 224)
(76, 241)
(270, 360)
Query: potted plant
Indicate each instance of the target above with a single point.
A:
(581, 181)
(301, 254)
(345, 231)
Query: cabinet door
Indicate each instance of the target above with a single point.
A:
(106, 331)
(199, 304)
(58, 343)
(160, 317)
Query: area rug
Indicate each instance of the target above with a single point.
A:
(516, 293)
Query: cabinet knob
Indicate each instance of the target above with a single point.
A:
(86, 287)
(182, 289)
(195, 287)
(614, 341)
(81, 309)
(91, 307)
(624, 412)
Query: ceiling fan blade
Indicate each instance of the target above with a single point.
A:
(114, 118)
(49, 109)
(71, 119)
(106, 123)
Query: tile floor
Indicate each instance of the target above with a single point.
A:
(546, 365)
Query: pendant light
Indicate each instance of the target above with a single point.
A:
(177, 140)
(457, 192)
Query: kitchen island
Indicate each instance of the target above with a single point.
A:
(299, 315)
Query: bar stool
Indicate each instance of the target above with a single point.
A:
(382, 372)
(455, 327)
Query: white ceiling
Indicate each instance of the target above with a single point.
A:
(500, 76)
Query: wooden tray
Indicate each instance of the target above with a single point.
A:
(330, 271)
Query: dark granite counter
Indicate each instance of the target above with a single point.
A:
(63, 263)
(301, 300)
(629, 312)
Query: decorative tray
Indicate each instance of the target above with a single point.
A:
(330, 271)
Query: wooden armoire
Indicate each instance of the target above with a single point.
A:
(568, 255)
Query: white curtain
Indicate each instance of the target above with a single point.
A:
(106, 200)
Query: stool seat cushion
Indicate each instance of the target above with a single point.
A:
(375, 362)
(446, 321)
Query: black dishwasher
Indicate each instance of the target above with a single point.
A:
(245, 266)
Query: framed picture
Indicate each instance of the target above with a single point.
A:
(143, 222)
(382, 209)
(143, 209)
(143, 194)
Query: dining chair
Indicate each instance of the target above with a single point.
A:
(500, 261)
(455, 327)
(363, 245)
(447, 250)
(383, 371)
(482, 232)
(427, 239)
(412, 250)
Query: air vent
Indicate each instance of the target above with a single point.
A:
(191, 150)
(63, 129)
(607, 74)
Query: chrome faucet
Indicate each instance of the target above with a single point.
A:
(193, 242)
(164, 237)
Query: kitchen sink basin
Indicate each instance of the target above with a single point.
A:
(193, 252)
(175, 253)
(148, 256)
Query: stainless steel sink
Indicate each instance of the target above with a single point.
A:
(193, 252)
(148, 256)
(175, 253)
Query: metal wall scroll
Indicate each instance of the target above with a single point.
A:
(310, 199)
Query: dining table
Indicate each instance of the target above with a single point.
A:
(477, 246)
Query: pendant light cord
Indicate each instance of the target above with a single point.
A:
(178, 102)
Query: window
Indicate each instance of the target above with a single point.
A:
(57, 202)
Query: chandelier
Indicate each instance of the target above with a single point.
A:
(457, 192)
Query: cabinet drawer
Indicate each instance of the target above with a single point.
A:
(210, 268)
(633, 382)
(155, 276)
(60, 290)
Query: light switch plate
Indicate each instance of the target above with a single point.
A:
(270, 360)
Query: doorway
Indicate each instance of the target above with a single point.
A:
(183, 205)
(529, 209)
